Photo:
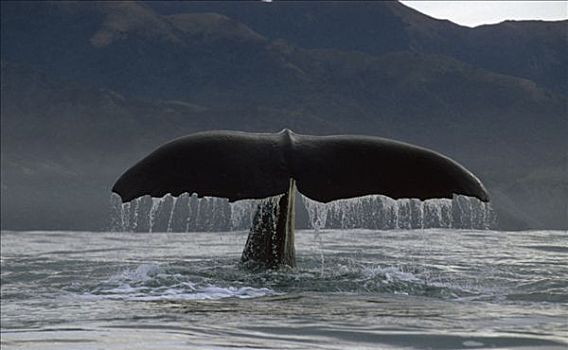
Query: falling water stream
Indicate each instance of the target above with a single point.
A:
(188, 213)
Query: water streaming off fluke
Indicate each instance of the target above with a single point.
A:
(381, 212)
(188, 213)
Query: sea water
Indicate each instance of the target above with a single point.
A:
(352, 289)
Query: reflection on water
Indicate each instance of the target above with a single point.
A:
(434, 288)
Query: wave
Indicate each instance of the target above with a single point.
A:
(188, 281)
(152, 282)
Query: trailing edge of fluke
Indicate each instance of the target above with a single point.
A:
(240, 165)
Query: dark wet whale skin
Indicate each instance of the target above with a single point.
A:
(239, 165)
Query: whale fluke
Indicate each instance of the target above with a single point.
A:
(239, 165)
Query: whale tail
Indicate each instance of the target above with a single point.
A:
(238, 165)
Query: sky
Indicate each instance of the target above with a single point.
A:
(474, 13)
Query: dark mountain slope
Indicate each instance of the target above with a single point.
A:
(534, 50)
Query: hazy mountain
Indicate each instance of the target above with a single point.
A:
(89, 88)
(536, 50)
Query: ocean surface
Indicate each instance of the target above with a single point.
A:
(352, 289)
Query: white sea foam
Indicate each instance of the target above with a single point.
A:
(389, 274)
(152, 282)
